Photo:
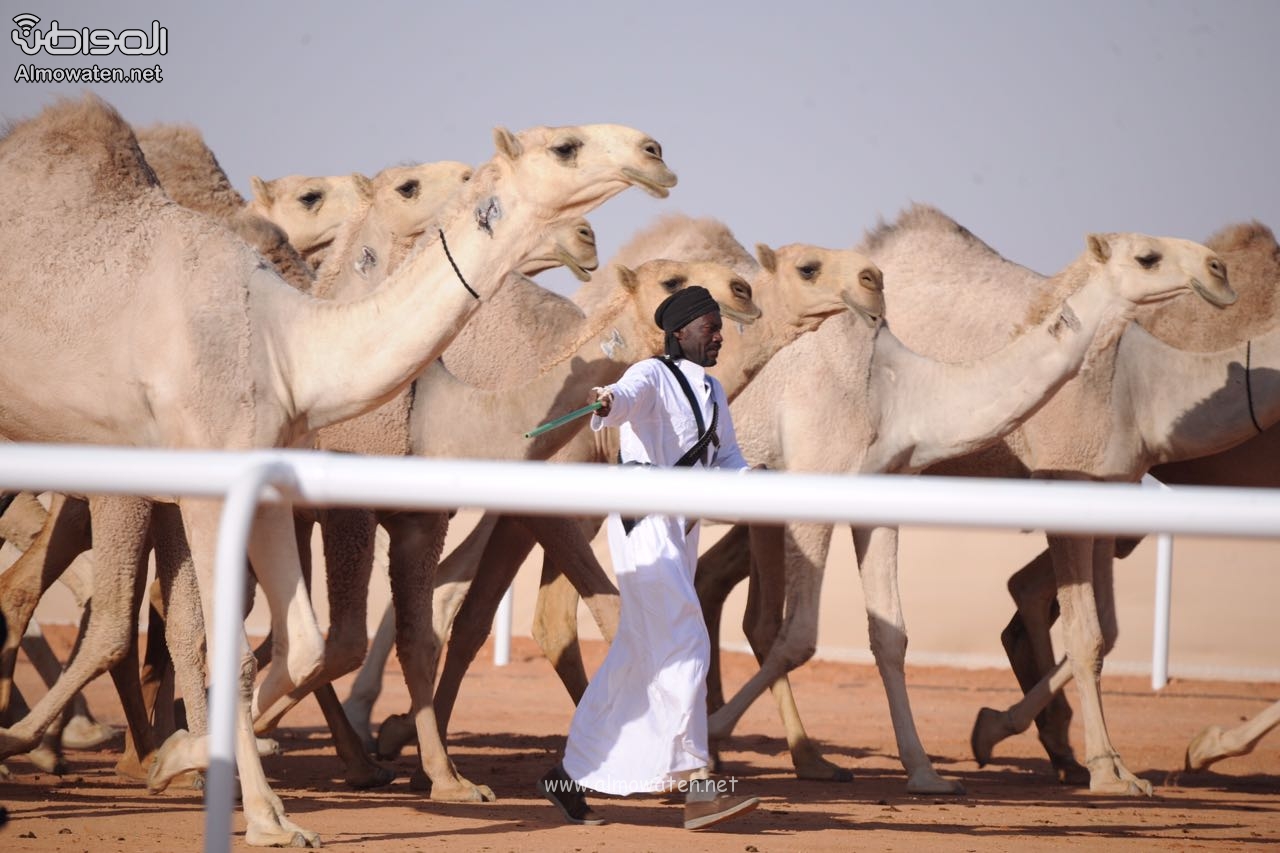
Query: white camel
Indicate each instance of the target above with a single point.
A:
(885, 408)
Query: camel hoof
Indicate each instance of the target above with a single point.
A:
(396, 732)
(357, 714)
(463, 792)
(282, 838)
(1203, 749)
(1070, 772)
(83, 733)
(372, 776)
(1123, 788)
(810, 765)
(129, 767)
(935, 785)
(170, 761)
(988, 730)
(825, 774)
(267, 747)
(48, 760)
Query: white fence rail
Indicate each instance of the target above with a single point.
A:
(317, 478)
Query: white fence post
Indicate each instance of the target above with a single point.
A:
(228, 636)
(1163, 602)
(502, 629)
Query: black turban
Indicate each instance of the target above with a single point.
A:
(679, 310)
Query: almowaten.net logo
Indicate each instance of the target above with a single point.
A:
(57, 40)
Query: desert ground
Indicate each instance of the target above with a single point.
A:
(511, 721)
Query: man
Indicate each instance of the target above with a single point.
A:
(642, 724)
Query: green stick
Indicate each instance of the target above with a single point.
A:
(563, 419)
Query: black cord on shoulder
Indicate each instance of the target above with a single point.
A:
(454, 264)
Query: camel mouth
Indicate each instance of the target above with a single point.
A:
(872, 317)
(659, 187)
(580, 272)
(739, 316)
(1219, 297)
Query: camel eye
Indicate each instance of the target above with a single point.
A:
(566, 150)
(740, 289)
(671, 285)
(311, 199)
(409, 189)
(810, 271)
(1149, 260)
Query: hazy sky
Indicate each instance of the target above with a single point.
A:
(1030, 123)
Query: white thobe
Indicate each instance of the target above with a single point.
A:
(642, 724)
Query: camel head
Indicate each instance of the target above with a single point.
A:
(570, 244)
(309, 209)
(1147, 270)
(653, 281)
(568, 171)
(813, 283)
(408, 197)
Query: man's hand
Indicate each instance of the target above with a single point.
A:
(603, 396)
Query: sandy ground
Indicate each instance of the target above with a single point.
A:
(510, 726)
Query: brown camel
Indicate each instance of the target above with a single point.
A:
(280, 367)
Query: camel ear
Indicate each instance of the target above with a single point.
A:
(768, 259)
(627, 277)
(364, 186)
(261, 190)
(1099, 247)
(506, 143)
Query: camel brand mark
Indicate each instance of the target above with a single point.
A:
(68, 42)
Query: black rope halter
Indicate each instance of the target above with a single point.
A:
(454, 264)
(1248, 385)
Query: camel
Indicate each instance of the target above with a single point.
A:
(792, 285)
(274, 371)
(489, 353)
(1253, 256)
(190, 175)
(440, 403)
(892, 410)
(309, 209)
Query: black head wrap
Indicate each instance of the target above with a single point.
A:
(679, 310)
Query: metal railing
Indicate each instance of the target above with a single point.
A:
(316, 478)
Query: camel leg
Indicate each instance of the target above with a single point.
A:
(510, 542)
(121, 523)
(367, 686)
(80, 730)
(1216, 743)
(297, 654)
(22, 521)
(877, 550)
(720, 569)
(454, 577)
(64, 537)
(1030, 650)
(270, 543)
(1080, 563)
(804, 549)
(416, 542)
(762, 620)
(570, 572)
(348, 547)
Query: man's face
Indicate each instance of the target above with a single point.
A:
(700, 340)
